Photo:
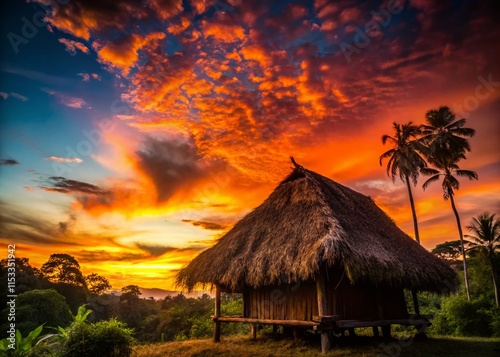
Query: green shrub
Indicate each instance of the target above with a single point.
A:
(460, 317)
(37, 307)
(105, 339)
(495, 322)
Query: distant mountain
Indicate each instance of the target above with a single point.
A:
(159, 294)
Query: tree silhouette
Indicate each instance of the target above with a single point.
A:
(486, 237)
(97, 284)
(63, 269)
(447, 168)
(405, 160)
(129, 305)
(449, 251)
(445, 135)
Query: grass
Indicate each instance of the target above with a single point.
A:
(362, 346)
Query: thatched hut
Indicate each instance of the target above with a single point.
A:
(317, 254)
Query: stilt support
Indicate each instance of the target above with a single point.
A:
(253, 331)
(322, 307)
(217, 314)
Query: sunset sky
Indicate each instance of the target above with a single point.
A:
(135, 133)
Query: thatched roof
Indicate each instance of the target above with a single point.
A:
(307, 222)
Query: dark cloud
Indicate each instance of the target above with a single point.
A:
(19, 226)
(63, 226)
(8, 162)
(170, 164)
(86, 256)
(147, 252)
(64, 185)
(155, 250)
(206, 225)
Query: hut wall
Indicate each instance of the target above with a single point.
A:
(299, 302)
(363, 301)
(282, 302)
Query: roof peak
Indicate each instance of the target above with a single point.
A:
(297, 166)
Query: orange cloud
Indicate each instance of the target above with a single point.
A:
(178, 28)
(73, 46)
(123, 54)
(223, 32)
(257, 54)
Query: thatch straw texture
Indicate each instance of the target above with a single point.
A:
(307, 222)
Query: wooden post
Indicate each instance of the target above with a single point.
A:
(415, 302)
(386, 331)
(253, 331)
(375, 331)
(217, 314)
(275, 328)
(322, 308)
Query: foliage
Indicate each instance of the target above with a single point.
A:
(63, 268)
(105, 338)
(460, 317)
(24, 346)
(449, 251)
(52, 344)
(27, 278)
(37, 307)
(131, 290)
(105, 306)
(75, 295)
(486, 239)
(129, 311)
(97, 284)
(405, 159)
(445, 135)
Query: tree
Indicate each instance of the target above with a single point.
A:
(129, 305)
(131, 291)
(63, 268)
(405, 160)
(27, 277)
(486, 237)
(97, 284)
(449, 251)
(447, 167)
(37, 307)
(445, 135)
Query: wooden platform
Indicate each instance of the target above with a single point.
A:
(329, 322)
(267, 322)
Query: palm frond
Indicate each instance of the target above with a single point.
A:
(386, 154)
(471, 175)
(429, 171)
(430, 180)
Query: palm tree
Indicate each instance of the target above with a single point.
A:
(447, 167)
(444, 134)
(405, 159)
(486, 237)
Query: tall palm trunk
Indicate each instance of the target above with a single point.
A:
(461, 244)
(412, 204)
(493, 275)
(417, 238)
